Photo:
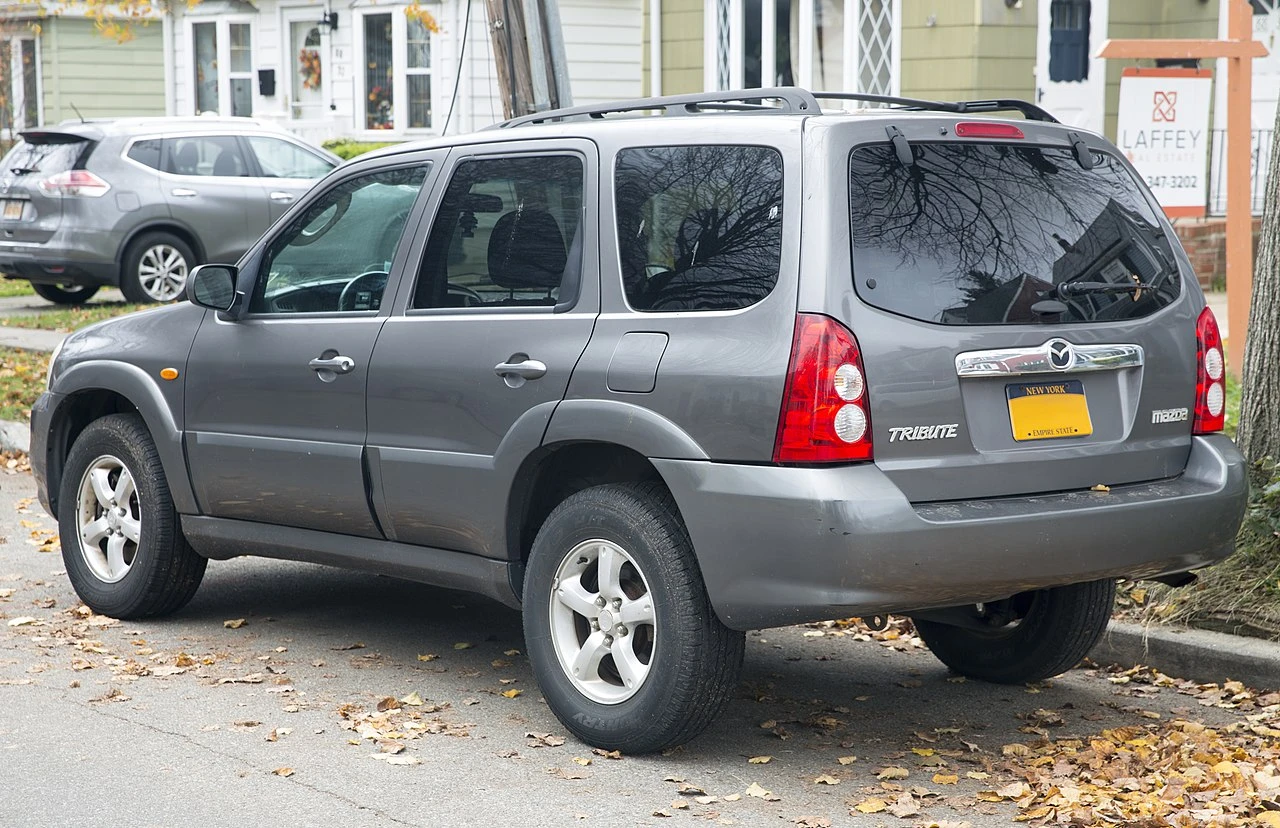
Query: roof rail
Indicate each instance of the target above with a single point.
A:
(789, 100)
(1028, 110)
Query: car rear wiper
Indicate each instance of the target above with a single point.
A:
(1066, 290)
(24, 170)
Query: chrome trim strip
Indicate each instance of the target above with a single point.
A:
(1073, 359)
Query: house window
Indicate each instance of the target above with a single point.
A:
(1069, 40)
(19, 84)
(397, 71)
(826, 45)
(222, 55)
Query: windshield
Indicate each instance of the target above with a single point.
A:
(976, 234)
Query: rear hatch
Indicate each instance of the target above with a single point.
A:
(28, 213)
(1023, 318)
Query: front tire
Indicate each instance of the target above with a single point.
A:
(64, 294)
(156, 268)
(124, 552)
(1050, 632)
(624, 644)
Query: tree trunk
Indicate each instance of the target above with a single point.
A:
(1259, 431)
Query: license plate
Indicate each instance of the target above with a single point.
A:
(1048, 410)
(13, 210)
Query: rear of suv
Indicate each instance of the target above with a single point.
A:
(656, 384)
(138, 202)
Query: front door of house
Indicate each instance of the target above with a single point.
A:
(1070, 81)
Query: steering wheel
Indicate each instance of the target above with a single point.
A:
(470, 298)
(374, 281)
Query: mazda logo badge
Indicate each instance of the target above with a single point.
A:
(1061, 355)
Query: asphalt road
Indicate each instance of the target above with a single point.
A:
(101, 724)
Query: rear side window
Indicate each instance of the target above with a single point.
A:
(205, 155)
(700, 227)
(975, 234)
(146, 152)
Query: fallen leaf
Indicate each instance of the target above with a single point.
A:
(826, 779)
(462, 645)
(812, 822)
(1100, 488)
(892, 773)
(733, 797)
(283, 771)
(608, 754)
(679, 804)
(1271, 819)
(755, 790)
(392, 759)
(906, 807)
(510, 694)
(388, 703)
(580, 760)
(23, 621)
(687, 789)
(511, 652)
(235, 624)
(358, 645)
(760, 760)
(871, 806)
(427, 656)
(945, 779)
(544, 740)
(846, 760)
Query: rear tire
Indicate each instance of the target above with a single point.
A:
(651, 667)
(1056, 629)
(156, 268)
(124, 552)
(64, 294)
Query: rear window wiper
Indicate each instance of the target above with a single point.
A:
(1068, 289)
(24, 170)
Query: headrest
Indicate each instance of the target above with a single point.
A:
(526, 250)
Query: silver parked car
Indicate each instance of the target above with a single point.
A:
(660, 380)
(138, 202)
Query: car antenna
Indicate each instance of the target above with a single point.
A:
(78, 115)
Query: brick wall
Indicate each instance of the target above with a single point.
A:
(1206, 243)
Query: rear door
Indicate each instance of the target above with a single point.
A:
(211, 189)
(506, 294)
(1027, 324)
(27, 212)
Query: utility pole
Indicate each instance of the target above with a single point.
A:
(528, 46)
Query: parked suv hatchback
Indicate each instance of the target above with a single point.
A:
(660, 380)
(138, 202)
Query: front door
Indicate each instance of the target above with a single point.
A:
(276, 401)
(464, 382)
(1070, 81)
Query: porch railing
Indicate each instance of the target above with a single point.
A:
(1261, 158)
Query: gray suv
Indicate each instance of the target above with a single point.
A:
(137, 202)
(660, 380)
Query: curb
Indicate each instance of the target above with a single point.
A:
(31, 339)
(14, 436)
(1198, 655)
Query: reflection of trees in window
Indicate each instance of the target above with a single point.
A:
(699, 228)
(978, 232)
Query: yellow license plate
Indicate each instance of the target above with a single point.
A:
(1048, 410)
(13, 209)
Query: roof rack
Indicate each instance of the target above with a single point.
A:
(792, 101)
(789, 100)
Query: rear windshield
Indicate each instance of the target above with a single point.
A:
(976, 234)
(43, 158)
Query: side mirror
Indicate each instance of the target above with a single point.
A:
(213, 286)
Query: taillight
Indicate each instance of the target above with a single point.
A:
(826, 416)
(983, 129)
(1211, 390)
(75, 183)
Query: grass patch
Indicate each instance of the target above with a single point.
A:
(69, 319)
(16, 287)
(21, 381)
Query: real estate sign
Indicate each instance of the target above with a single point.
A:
(1163, 130)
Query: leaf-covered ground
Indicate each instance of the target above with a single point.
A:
(15, 287)
(72, 318)
(22, 375)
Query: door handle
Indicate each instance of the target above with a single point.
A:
(525, 369)
(183, 192)
(337, 364)
(283, 197)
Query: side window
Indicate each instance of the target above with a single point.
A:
(205, 155)
(280, 159)
(146, 152)
(507, 234)
(700, 227)
(336, 255)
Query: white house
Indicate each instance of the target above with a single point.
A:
(369, 70)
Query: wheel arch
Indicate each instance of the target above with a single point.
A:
(162, 226)
(96, 388)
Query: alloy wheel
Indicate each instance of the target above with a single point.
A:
(108, 519)
(162, 272)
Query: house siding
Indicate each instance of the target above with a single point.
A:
(682, 22)
(968, 50)
(100, 77)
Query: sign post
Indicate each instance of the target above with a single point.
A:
(1163, 130)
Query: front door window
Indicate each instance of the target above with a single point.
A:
(308, 70)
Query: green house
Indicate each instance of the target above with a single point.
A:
(53, 66)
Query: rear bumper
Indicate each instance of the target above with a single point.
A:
(783, 546)
(84, 258)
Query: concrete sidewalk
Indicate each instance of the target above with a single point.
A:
(30, 339)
